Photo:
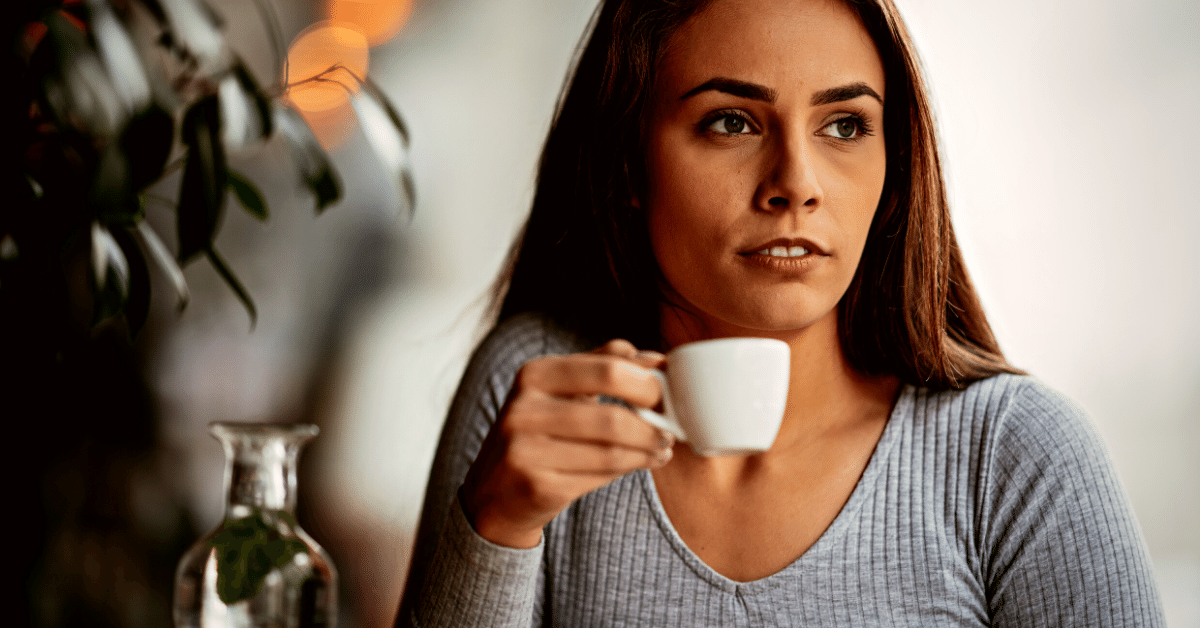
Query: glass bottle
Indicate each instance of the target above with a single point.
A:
(257, 568)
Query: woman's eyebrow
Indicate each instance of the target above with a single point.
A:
(754, 91)
(734, 87)
(844, 92)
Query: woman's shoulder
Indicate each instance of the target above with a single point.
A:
(520, 338)
(1020, 398)
(532, 334)
(1041, 512)
(493, 366)
(1017, 421)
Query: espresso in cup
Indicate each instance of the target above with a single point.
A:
(724, 396)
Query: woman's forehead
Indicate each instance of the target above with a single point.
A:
(805, 44)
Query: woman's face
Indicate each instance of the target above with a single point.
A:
(765, 161)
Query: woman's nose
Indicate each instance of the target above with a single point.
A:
(789, 178)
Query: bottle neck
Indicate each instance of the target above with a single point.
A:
(259, 481)
(260, 466)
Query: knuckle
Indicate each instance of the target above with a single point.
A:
(623, 345)
(618, 346)
(528, 373)
(514, 456)
(518, 408)
(609, 373)
(609, 421)
(613, 458)
(523, 414)
(511, 424)
(522, 453)
(535, 372)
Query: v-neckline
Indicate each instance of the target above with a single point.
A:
(862, 490)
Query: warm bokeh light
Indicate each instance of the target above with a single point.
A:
(323, 61)
(378, 20)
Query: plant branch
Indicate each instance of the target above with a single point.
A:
(320, 77)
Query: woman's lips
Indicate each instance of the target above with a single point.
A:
(784, 255)
(784, 251)
(785, 248)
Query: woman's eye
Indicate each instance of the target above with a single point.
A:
(730, 124)
(844, 129)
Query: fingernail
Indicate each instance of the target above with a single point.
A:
(666, 440)
(650, 355)
(664, 456)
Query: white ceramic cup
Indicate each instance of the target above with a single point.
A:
(724, 396)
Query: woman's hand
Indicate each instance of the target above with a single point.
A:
(554, 441)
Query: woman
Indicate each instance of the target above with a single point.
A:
(760, 168)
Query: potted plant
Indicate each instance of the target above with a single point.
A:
(106, 98)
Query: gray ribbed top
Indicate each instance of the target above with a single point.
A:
(992, 506)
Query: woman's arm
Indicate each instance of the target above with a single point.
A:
(474, 410)
(1062, 546)
(524, 438)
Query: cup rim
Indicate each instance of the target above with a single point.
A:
(729, 340)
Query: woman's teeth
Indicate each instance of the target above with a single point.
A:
(784, 251)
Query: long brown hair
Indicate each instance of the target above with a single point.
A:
(584, 258)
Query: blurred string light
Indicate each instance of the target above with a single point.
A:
(326, 61)
(323, 62)
(377, 20)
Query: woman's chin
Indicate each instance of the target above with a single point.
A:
(774, 322)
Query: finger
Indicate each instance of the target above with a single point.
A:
(574, 457)
(618, 347)
(590, 374)
(587, 422)
(650, 359)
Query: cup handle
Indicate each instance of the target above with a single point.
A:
(666, 420)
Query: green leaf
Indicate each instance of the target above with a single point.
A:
(247, 550)
(249, 195)
(202, 193)
(74, 84)
(326, 188)
(137, 304)
(118, 53)
(309, 157)
(128, 213)
(109, 190)
(409, 189)
(241, 563)
(261, 102)
(388, 136)
(195, 29)
(231, 279)
(159, 253)
(146, 142)
(393, 115)
(110, 274)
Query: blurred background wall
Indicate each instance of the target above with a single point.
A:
(1071, 150)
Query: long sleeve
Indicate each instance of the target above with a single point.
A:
(1061, 544)
(458, 578)
(996, 505)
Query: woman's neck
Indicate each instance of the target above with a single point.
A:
(826, 395)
